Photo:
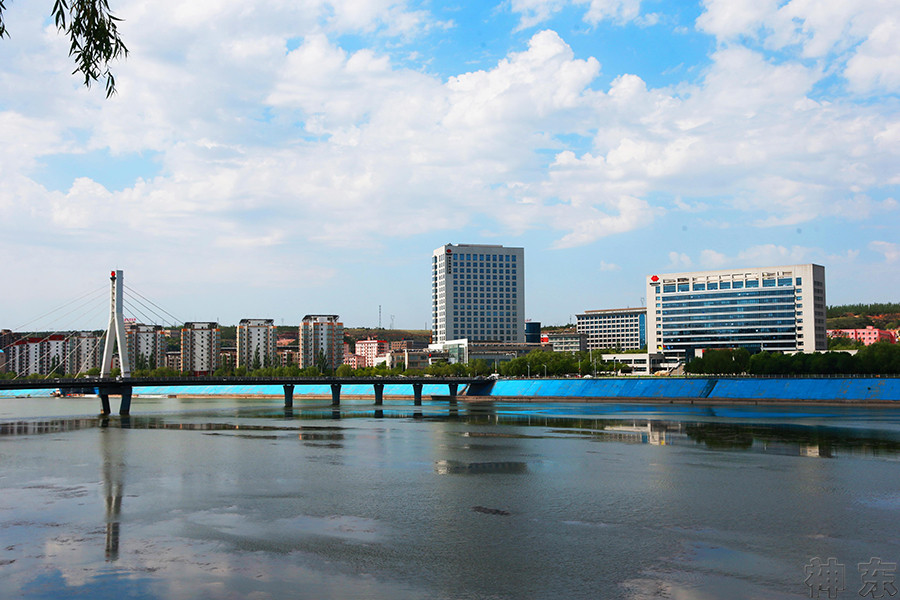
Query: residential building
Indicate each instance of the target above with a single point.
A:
(146, 346)
(762, 308)
(621, 328)
(38, 356)
(173, 360)
(288, 357)
(371, 350)
(256, 342)
(7, 337)
(85, 352)
(567, 341)
(200, 346)
(321, 336)
(478, 293)
(867, 336)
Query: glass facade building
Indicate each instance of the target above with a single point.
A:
(769, 308)
(477, 293)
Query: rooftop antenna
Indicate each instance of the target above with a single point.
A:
(379, 316)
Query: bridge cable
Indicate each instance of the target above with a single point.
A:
(91, 293)
(175, 320)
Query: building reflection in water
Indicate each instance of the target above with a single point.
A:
(112, 441)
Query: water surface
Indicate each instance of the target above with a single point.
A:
(237, 498)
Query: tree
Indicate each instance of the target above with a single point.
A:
(93, 37)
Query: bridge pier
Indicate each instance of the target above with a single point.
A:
(124, 391)
(417, 394)
(288, 395)
(379, 393)
(125, 405)
(453, 387)
(335, 394)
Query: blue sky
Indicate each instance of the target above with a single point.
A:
(269, 160)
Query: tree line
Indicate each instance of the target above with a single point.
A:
(882, 358)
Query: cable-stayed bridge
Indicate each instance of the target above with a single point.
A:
(34, 355)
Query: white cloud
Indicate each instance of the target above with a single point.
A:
(860, 35)
(890, 250)
(534, 12)
(679, 260)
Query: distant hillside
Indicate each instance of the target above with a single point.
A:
(388, 335)
(884, 315)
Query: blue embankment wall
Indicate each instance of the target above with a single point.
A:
(874, 389)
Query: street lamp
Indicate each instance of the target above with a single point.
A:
(545, 371)
(529, 370)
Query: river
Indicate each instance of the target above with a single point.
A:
(238, 498)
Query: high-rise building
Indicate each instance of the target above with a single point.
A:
(478, 293)
(763, 308)
(38, 356)
(85, 352)
(146, 346)
(256, 343)
(623, 328)
(321, 341)
(200, 346)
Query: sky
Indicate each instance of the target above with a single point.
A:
(281, 158)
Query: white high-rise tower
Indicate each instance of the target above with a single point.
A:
(115, 331)
(478, 293)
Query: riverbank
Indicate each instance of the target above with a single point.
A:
(877, 391)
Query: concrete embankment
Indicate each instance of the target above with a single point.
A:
(856, 390)
(868, 390)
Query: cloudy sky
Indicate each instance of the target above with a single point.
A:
(272, 159)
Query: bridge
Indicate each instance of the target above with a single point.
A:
(123, 387)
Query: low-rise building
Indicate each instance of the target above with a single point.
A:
(566, 341)
(867, 336)
(371, 350)
(624, 328)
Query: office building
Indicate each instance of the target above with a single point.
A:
(200, 346)
(614, 328)
(478, 293)
(760, 309)
(256, 343)
(321, 342)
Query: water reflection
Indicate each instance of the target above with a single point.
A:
(815, 438)
(111, 448)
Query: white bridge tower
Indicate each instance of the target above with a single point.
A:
(116, 329)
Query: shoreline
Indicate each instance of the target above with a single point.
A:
(552, 400)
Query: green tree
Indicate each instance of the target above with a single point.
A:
(93, 35)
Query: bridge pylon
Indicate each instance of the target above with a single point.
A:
(115, 331)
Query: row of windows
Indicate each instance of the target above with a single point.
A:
(728, 314)
(730, 285)
(718, 325)
(730, 303)
(717, 295)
